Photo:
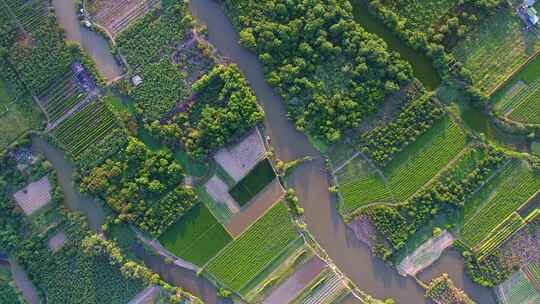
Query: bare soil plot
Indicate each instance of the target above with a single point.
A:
(57, 241)
(256, 208)
(294, 285)
(425, 255)
(219, 191)
(240, 158)
(116, 15)
(34, 196)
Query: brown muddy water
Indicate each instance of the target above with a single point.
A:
(93, 43)
(311, 182)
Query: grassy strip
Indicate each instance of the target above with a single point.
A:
(196, 237)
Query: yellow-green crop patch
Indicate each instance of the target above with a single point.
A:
(501, 197)
(247, 256)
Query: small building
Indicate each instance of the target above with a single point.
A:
(137, 80)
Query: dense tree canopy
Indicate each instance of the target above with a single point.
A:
(330, 71)
(223, 108)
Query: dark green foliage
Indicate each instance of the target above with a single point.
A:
(223, 109)
(196, 237)
(331, 72)
(95, 154)
(255, 181)
(71, 275)
(490, 271)
(382, 143)
(143, 186)
(449, 192)
(141, 42)
(8, 293)
(162, 87)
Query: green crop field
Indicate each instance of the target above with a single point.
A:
(31, 14)
(526, 105)
(514, 186)
(535, 271)
(85, 128)
(61, 97)
(494, 50)
(407, 172)
(196, 237)
(248, 255)
(497, 236)
(518, 290)
(258, 178)
(422, 160)
(355, 179)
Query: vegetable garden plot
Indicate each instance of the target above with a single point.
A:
(61, 97)
(499, 235)
(254, 182)
(517, 290)
(85, 128)
(526, 107)
(196, 237)
(244, 258)
(516, 184)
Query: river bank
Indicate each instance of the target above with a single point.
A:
(93, 43)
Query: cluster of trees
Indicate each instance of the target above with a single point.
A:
(158, 29)
(443, 290)
(442, 36)
(224, 108)
(34, 62)
(383, 143)
(329, 70)
(9, 293)
(134, 180)
(96, 246)
(450, 192)
(163, 87)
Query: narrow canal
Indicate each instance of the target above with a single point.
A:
(311, 182)
(93, 44)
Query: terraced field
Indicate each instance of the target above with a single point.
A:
(244, 258)
(85, 128)
(502, 196)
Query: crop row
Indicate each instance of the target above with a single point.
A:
(422, 160)
(85, 127)
(504, 231)
(520, 290)
(513, 192)
(527, 107)
(243, 259)
(535, 271)
(30, 13)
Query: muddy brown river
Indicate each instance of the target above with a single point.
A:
(311, 180)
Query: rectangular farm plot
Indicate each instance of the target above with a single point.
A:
(116, 15)
(501, 197)
(86, 127)
(34, 196)
(494, 50)
(423, 159)
(255, 181)
(196, 237)
(244, 258)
